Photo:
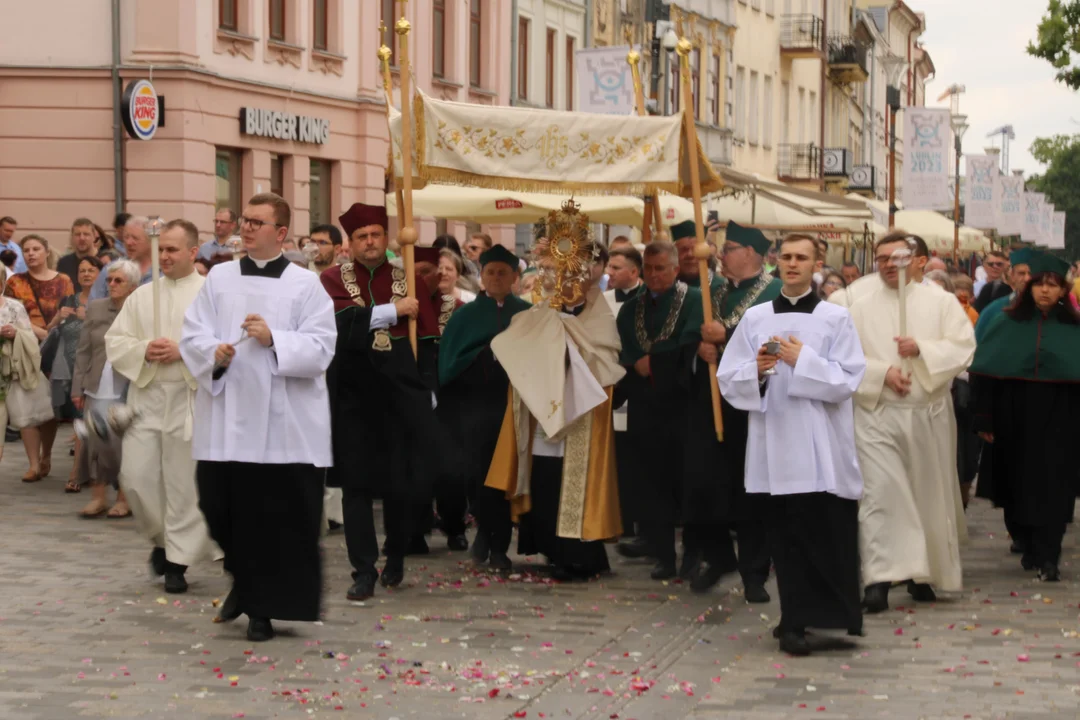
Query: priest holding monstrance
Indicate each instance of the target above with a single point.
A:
(381, 398)
(555, 456)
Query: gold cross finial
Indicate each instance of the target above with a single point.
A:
(628, 33)
(382, 30)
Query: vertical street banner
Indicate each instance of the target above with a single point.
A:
(979, 204)
(1046, 224)
(927, 140)
(604, 82)
(1009, 197)
(1058, 240)
(1032, 217)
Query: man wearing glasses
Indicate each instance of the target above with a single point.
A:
(995, 286)
(224, 228)
(328, 239)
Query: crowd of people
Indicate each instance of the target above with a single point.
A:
(264, 381)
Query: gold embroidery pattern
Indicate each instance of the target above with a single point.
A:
(445, 311)
(553, 147)
(348, 279)
(575, 475)
(381, 338)
(643, 338)
(733, 319)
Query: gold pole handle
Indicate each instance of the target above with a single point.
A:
(407, 235)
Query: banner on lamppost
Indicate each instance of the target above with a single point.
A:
(979, 205)
(1009, 197)
(1032, 217)
(927, 140)
(1058, 241)
(604, 81)
(1046, 224)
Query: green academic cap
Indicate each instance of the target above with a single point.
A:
(1045, 262)
(748, 237)
(498, 253)
(685, 229)
(1022, 256)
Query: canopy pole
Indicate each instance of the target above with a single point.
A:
(407, 234)
(633, 57)
(702, 251)
(384, 57)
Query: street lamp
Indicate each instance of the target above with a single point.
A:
(894, 66)
(959, 127)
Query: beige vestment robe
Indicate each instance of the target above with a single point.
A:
(911, 518)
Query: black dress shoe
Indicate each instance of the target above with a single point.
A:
(663, 571)
(560, 573)
(691, 563)
(636, 548)
(877, 598)
(1017, 548)
(1050, 573)
(230, 609)
(921, 592)
(481, 547)
(333, 526)
(361, 590)
(417, 546)
(393, 572)
(793, 642)
(457, 543)
(1027, 561)
(756, 594)
(706, 577)
(260, 630)
(158, 561)
(175, 582)
(500, 562)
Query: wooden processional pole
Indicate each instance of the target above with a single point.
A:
(407, 234)
(652, 203)
(701, 248)
(385, 54)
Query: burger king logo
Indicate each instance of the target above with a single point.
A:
(141, 110)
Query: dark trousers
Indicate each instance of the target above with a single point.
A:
(660, 534)
(712, 543)
(451, 504)
(360, 538)
(492, 511)
(1041, 543)
(750, 526)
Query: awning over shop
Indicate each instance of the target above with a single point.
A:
(934, 228)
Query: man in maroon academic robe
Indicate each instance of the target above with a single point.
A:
(384, 427)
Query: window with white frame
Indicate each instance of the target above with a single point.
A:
(766, 114)
(800, 137)
(785, 112)
(754, 123)
(814, 134)
(770, 8)
(740, 103)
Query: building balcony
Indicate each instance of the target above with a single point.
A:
(848, 60)
(863, 180)
(801, 36)
(718, 144)
(838, 162)
(798, 163)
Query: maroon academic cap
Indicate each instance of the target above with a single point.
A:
(426, 254)
(361, 215)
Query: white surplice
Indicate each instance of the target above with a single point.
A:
(157, 472)
(847, 296)
(801, 438)
(911, 518)
(271, 405)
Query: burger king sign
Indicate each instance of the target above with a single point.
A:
(141, 110)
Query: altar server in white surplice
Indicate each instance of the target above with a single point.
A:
(911, 518)
(800, 451)
(156, 471)
(258, 340)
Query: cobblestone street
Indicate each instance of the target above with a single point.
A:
(85, 634)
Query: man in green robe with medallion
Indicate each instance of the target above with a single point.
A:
(472, 399)
(746, 285)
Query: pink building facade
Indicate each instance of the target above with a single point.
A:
(233, 75)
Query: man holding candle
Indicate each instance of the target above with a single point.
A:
(911, 516)
(157, 472)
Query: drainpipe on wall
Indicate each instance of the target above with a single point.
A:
(513, 51)
(821, 96)
(868, 109)
(118, 131)
(588, 24)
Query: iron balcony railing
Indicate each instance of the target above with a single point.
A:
(801, 33)
(798, 162)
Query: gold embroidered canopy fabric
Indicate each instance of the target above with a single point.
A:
(513, 148)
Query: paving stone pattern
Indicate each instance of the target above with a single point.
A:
(84, 633)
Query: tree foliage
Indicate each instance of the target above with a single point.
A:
(1061, 155)
(1059, 39)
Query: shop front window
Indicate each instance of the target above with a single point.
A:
(227, 179)
(277, 175)
(320, 192)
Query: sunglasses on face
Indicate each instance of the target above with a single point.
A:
(115, 280)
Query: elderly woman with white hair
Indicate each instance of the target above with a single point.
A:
(94, 386)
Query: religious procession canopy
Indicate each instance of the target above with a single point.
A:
(548, 151)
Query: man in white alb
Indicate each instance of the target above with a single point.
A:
(911, 517)
(800, 451)
(156, 470)
(258, 340)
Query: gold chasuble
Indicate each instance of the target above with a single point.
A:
(562, 369)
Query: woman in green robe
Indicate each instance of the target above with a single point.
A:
(1026, 386)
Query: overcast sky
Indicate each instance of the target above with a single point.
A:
(981, 44)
